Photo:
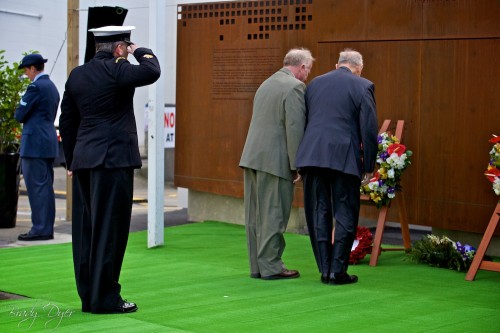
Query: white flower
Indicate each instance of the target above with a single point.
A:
(390, 173)
(447, 240)
(496, 186)
(397, 162)
(373, 185)
(493, 151)
(433, 239)
(401, 162)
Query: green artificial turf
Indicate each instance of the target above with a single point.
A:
(199, 282)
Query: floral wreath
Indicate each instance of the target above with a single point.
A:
(362, 245)
(392, 160)
(493, 170)
(441, 251)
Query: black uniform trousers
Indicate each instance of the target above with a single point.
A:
(331, 194)
(102, 207)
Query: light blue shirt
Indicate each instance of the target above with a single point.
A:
(40, 74)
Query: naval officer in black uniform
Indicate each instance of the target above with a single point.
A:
(99, 138)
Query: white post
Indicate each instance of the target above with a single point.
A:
(155, 129)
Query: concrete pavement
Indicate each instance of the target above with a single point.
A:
(173, 213)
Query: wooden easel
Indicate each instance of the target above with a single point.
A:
(382, 216)
(478, 262)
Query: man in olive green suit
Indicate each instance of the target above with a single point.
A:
(268, 159)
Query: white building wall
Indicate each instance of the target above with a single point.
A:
(47, 33)
(41, 25)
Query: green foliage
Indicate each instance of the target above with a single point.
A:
(441, 252)
(12, 86)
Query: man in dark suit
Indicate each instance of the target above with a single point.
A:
(99, 138)
(268, 159)
(39, 146)
(337, 154)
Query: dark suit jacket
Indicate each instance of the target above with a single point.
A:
(97, 120)
(341, 115)
(37, 111)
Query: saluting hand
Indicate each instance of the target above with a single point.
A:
(131, 48)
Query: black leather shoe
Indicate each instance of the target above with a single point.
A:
(126, 307)
(29, 237)
(325, 279)
(285, 274)
(343, 278)
(255, 275)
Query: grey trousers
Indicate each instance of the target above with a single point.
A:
(268, 202)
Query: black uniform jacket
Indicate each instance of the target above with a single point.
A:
(97, 122)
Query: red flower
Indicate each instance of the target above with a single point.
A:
(495, 139)
(364, 240)
(396, 148)
(492, 174)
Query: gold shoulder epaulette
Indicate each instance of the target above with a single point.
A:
(148, 56)
(119, 58)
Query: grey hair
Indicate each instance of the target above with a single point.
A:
(297, 57)
(106, 47)
(351, 57)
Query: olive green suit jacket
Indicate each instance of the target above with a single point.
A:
(277, 125)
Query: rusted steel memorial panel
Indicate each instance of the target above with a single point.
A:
(434, 65)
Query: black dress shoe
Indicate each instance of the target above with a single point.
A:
(29, 237)
(255, 275)
(325, 279)
(126, 307)
(343, 278)
(285, 274)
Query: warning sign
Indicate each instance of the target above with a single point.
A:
(168, 125)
